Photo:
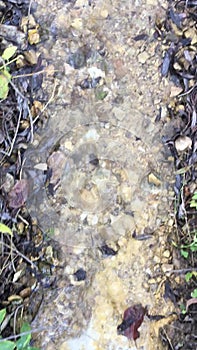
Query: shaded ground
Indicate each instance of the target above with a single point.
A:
(98, 278)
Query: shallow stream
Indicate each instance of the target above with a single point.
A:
(99, 173)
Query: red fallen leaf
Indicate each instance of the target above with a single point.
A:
(132, 320)
(18, 194)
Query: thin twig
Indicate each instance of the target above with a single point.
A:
(25, 99)
(19, 253)
(182, 270)
(46, 105)
(187, 92)
(168, 339)
(15, 315)
(15, 135)
(32, 74)
(11, 254)
(23, 220)
(29, 9)
(23, 333)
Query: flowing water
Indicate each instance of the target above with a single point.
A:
(99, 173)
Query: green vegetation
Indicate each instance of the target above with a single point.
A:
(193, 203)
(22, 343)
(190, 247)
(5, 76)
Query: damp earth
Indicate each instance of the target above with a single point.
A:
(99, 175)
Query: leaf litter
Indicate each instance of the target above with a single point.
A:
(22, 112)
(179, 36)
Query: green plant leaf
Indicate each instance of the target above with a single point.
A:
(193, 204)
(23, 341)
(9, 52)
(2, 315)
(184, 253)
(5, 78)
(193, 248)
(183, 309)
(194, 293)
(5, 229)
(194, 196)
(188, 276)
(7, 345)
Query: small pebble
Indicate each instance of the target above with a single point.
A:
(167, 267)
(25, 292)
(166, 254)
(157, 259)
(80, 274)
(142, 57)
(152, 179)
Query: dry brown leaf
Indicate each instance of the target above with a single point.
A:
(18, 194)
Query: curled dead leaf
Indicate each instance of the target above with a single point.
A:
(132, 320)
(191, 302)
(18, 194)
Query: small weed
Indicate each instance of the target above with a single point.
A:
(194, 293)
(23, 343)
(190, 275)
(183, 309)
(5, 76)
(190, 247)
(193, 203)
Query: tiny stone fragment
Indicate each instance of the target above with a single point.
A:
(142, 57)
(80, 274)
(167, 267)
(33, 36)
(25, 292)
(175, 91)
(166, 254)
(152, 179)
(182, 143)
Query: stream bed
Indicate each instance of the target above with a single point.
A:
(99, 174)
